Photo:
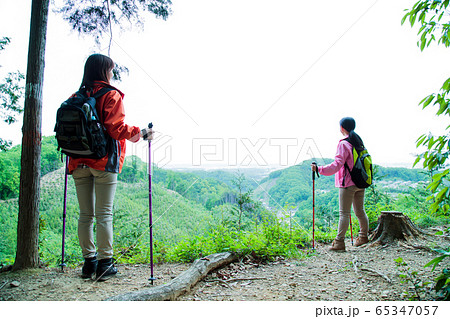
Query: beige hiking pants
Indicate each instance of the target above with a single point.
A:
(95, 192)
(347, 197)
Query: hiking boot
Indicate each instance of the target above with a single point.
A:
(105, 269)
(361, 241)
(89, 267)
(337, 245)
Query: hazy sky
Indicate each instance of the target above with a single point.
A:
(253, 83)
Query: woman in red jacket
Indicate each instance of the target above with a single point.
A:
(96, 179)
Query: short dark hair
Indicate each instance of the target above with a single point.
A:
(96, 68)
(348, 123)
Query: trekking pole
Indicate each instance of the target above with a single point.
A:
(351, 228)
(64, 213)
(150, 125)
(313, 205)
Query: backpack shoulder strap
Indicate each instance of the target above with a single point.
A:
(101, 92)
(345, 163)
(81, 93)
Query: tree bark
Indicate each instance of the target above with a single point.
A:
(27, 254)
(394, 226)
(182, 283)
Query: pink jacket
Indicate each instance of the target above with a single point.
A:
(344, 154)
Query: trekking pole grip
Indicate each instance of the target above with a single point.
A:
(150, 125)
(314, 172)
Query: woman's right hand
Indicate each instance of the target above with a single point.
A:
(147, 133)
(314, 167)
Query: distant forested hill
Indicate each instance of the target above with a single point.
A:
(293, 185)
(10, 166)
(188, 204)
(175, 217)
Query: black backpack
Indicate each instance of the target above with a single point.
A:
(78, 129)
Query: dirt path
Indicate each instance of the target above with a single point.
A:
(326, 276)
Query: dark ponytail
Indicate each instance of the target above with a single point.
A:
(349, 124)
(356, 141)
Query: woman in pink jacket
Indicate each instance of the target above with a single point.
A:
(348, 193)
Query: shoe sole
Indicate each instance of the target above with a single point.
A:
(104, 277)
(361, 244)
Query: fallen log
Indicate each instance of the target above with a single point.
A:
(182, 283)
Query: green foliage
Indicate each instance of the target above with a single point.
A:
(293, 186)
(198, 213)
(435, 158)
(228, 176)
(133, 170)
(207, 191)
(400, 173)
(10, 173)
(4, 41)
(437, 260)
(434, 19)
(11, 93)
(434, 22)
(375, 199)
(442, 286)
(409, 276)
(10, 166)
(8, 228)
(268, 241)
(244, 198)
(51, 159)
(97, 17)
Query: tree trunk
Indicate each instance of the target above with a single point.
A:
(182, 283)
(394, 226)
(27, 254)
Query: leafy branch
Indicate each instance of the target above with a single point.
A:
(442, 285)
(434, 19)
(411, 276)
(11, 94)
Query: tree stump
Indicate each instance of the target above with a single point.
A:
(394, 226)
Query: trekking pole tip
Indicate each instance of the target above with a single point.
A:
(152, 279)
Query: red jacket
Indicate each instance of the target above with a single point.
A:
(111, 113)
